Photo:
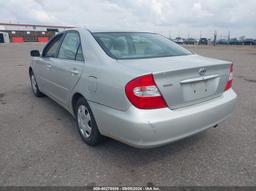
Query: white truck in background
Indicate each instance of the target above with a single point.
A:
(4, 37)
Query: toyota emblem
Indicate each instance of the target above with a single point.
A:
(202, 71)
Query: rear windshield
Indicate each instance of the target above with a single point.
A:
(135, 45)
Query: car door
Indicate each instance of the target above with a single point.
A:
(44, 65)
(67, 67)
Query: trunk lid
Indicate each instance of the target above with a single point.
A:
(184, 80)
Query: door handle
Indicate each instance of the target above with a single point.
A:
(74, 72)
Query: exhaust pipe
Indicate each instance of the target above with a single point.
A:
(215, 126)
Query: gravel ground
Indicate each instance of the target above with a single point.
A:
(39, 144)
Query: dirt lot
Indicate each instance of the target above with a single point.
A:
(40, 146)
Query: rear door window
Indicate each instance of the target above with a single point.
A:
(69, 46)
(79, 54)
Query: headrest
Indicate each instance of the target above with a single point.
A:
(119, 44)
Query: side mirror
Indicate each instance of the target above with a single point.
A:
(35, 53)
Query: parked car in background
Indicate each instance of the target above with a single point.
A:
(179, 40)
(223, 41)
(249, 41)
(203, 41)
(190, 41)
(235, 41)
(136, 87)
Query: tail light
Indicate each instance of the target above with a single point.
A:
(230, 78)
(144, 94)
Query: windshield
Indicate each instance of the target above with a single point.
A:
(135, 45)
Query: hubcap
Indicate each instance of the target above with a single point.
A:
(33, 83)
(84, 121)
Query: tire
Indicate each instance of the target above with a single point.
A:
(86, 123)
(34, 86)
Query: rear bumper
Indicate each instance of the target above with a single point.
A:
(152, 128)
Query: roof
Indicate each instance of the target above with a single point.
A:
(112, 29)
(33, 25)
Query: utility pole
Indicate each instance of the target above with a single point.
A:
(228, 36)
(214, 38)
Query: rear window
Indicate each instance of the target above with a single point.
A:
(136, 45)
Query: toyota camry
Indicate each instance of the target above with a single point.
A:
(136, 87)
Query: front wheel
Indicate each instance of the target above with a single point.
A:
(34, 86)
(86, 123)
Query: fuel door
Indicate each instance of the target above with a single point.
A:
(92, 84)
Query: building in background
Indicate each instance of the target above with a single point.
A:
(28, 32)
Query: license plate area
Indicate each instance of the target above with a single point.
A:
(198, 90)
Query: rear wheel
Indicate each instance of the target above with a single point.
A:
(34, 85)
(86, 123)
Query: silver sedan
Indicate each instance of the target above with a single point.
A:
(136, 87)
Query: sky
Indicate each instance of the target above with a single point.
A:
(172, 18)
